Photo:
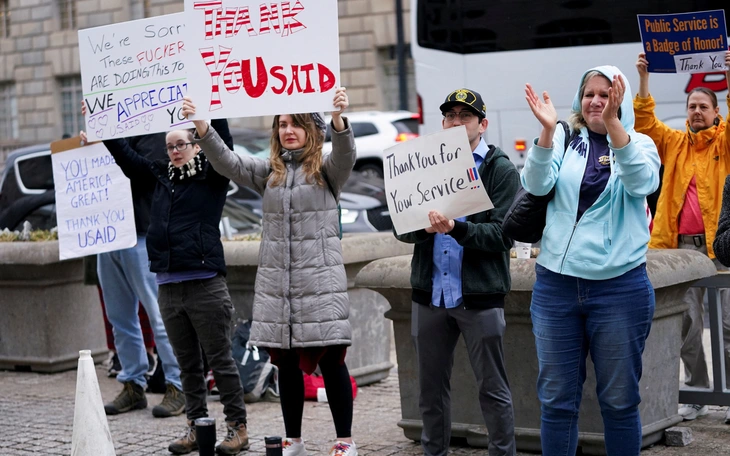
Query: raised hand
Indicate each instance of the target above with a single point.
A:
(642, 65)
(615, 98)
(188, 109)
(341, 102)
(543, 109)
(83, 108)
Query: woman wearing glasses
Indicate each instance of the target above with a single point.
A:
(301, 308)
(186, 253)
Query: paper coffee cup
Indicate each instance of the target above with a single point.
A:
(523, 249)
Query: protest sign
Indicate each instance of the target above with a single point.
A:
(93, 200)
(133, 77)
(433, 172)
(684, 43)
(250, 58)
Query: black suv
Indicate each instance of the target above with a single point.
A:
(26, 189)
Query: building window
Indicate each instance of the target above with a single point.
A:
(71, 96)
(8, 111)
(140, 9)
(67, 10)
(4, 19)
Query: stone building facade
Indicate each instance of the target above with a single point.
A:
(40, 83)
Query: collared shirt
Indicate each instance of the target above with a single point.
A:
(448, 256)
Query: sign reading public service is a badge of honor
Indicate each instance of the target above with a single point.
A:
(253, 58)
(433, 172)
(684, 43)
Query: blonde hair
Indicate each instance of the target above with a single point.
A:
(311, 158)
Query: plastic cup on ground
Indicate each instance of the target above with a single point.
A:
(205, 434)
(273, 446)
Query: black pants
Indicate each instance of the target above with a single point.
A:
(198, 313)
(336, 383)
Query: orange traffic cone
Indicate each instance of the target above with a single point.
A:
(91, 431)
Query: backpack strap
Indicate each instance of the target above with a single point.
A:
(569, 135)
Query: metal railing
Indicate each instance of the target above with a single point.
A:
(717, 394)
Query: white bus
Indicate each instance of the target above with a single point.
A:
(496, 46)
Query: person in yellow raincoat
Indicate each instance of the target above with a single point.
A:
(696, 161)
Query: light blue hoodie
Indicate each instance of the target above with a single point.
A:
(612, 235)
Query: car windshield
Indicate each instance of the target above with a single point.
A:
(407, 125)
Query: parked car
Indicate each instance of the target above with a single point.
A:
(27, 193)
(374, 132)
(251, 141)
(363, 203)
(26, 189)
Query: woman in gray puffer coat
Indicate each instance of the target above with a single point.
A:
(301, 306)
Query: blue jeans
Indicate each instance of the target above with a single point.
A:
(610, 319)
(126, 280)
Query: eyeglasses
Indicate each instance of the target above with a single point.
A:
(464, 116)
(179, 146)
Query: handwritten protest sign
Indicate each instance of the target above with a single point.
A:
(93, 201)
(252, 58)
(433, 172)
(133, 76)
(684, 43)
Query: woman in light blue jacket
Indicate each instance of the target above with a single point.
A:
(592, 294)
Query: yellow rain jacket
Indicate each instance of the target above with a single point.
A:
(705, 155)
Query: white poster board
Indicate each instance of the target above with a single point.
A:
(133, 77)
(252, 58)
(93, 202)
(432, 172)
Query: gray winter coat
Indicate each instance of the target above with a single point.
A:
(301, 289)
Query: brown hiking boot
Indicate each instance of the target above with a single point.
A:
(236, 440)
(172, 404)
(187, 443)
(130, 398)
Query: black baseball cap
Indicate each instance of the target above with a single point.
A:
(466, 97)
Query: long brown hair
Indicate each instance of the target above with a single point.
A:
(311, 158)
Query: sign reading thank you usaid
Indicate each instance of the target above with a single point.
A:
(433, 172)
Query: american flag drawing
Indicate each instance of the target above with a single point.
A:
(473, 174)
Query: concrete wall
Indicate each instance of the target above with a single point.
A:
(37, 53)
(671, 273)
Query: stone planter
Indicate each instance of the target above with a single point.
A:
(368, 359)
(670, 271)
(48, 314)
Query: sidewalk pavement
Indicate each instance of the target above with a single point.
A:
(38, 413)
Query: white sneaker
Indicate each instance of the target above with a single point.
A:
(691, 411)
(727, 416)
(343, 449)
(292, 448)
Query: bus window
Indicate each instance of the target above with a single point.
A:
(476, 26)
